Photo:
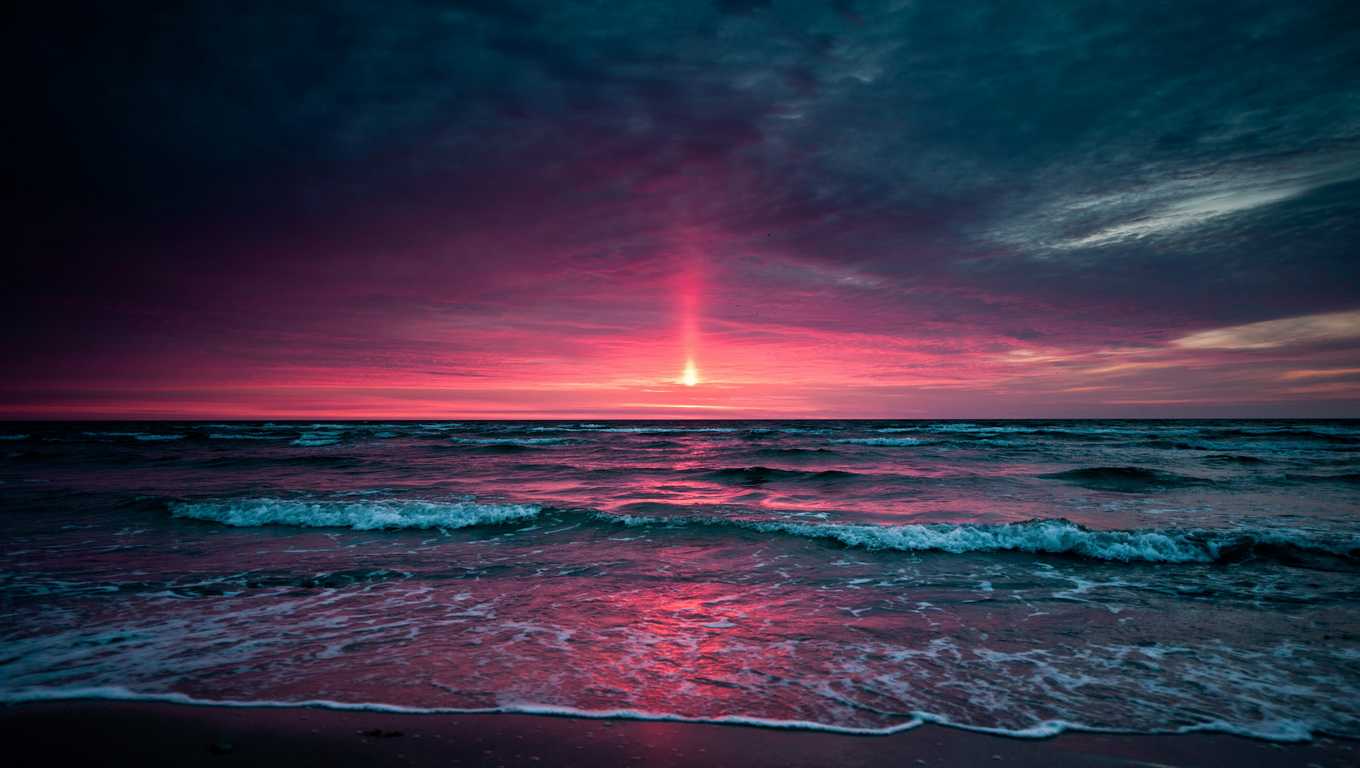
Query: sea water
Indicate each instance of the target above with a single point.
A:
(1020, 577)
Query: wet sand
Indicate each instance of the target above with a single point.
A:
(149, 734)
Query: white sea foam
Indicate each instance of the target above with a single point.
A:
(898, 441)
(1051, 537)
(359, 515)
(13, 437)
(115, 693)
(1047, 537)
(1286, 731)
(143, 436)
(1054, 537)
(316, 439)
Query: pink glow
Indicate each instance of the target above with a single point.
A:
(593, 306)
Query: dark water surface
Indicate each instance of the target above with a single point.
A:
(1016, 576)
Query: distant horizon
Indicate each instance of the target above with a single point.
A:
(355, 420)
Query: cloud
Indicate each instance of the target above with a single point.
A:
(1325, 373)
(1171, 208)
(1308, 329)
(1189, 199)
(1187, 213)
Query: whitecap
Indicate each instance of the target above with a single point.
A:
(315, 439)
(359, 515)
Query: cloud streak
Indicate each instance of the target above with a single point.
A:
(1269, 334)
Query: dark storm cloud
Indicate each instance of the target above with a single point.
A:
(1058, 124)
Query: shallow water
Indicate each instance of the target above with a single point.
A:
(1014, 576)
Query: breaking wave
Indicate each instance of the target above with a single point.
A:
(145, 437)
(887, 441)
(359, 515)
(1042, 537)
(1056, 537)
(317, 439)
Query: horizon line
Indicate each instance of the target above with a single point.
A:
(415, 419)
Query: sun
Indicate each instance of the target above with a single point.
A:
(691, 375)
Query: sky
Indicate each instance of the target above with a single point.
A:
(716, 209)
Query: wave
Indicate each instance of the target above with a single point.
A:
(1055, 537)
(1044, 537)
(1125, 479)
(782, 453)
(1233, 458)
(146, 437)
(328, 460)
(1281, 435)
(317, 439)
(359, 515)
(1169, 445)
(759, 475)
(1075, 435)
(520, 442)
(888, 441)
(225, 585)
(1349, 478)
(665, 430)
(1286, 731)
(1083, 432)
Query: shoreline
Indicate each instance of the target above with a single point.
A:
(100, 732)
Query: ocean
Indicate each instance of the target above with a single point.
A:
(1017, 577)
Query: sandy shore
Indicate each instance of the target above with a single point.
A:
(118, 733)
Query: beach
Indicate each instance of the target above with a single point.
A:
(153, 734)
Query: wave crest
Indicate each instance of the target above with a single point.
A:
(881, 441)
(1049, 537)
(1125, 479)
(760, 475)
(359, 515)
(1056, 536)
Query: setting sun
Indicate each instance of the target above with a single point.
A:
(691, 375)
